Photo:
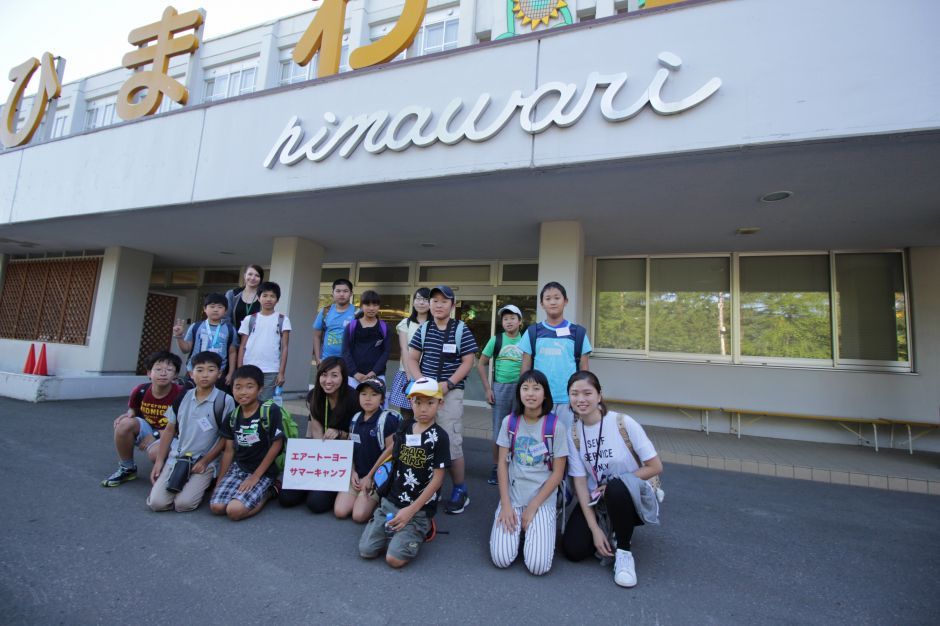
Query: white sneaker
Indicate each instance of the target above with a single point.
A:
(624, 569)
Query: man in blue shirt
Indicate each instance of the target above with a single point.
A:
(332, 321)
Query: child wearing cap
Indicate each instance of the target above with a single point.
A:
(372, 432)
(421, 453)
(442, 350)
(506, 355)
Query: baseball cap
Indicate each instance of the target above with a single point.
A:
(425, 387)
(446, 291)
(510, 308)
(375, 384)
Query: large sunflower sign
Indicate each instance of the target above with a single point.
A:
(533, 13)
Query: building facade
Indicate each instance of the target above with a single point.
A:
(741, 199)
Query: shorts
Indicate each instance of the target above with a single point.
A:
(146, 430)
(450, 418)
(267, 390)
(505, 396)
(403, 545)
(228, 488)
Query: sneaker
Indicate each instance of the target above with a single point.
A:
(457, 503)
(494, 477)
(625, 569)
(120, 476)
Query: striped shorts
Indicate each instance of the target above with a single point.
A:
(539, 547)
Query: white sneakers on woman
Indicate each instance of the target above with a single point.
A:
(624, 569)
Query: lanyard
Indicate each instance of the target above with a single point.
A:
(213, 340)
(326, 414)
(597, 451)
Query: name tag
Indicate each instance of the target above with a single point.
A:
(205, 424)
(563, 332)
(449, 348)
(252, 438)
(539, 449)
(378, 344)
(413, 441)
(353, 437)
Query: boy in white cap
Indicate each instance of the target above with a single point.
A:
(419, 458)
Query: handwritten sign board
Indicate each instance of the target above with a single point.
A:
(315, 464)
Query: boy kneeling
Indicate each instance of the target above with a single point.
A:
(191, 437)
(254, 437)
(421, 454)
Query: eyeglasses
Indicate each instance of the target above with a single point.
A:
(421, 299)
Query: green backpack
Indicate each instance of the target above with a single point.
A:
(288, 425)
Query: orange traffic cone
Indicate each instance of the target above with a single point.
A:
(41, 369)
(30, 360)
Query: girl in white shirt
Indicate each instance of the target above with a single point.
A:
(598, 457)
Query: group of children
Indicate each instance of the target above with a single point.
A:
(540, 385)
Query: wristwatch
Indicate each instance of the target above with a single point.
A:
(450, 385)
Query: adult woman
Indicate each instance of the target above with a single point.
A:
(332, 403)
(420, 306)
(609, 479)
(243, 301)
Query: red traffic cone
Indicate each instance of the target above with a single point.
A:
(30, 360)
(41, 369)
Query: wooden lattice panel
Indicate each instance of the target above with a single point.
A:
(49, 300)
(158, 327)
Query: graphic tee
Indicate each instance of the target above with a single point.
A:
(528, 469)
(212, 338)
(333, 327)
(554, 356)
(196, 427)
(367, 450)
(508, 362)
(416, 465)
(612, 457)
(252, 440)
(152, 409)
(442, 345)
(263, 347)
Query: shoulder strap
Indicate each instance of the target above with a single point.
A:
(176, 405)
(458, 335)
(383, 328)
(531, 332)
(230, 329)
(218, 407)
(196, 328)
(380, 429)
(622, 427)
(265, 410)
(577, 333)
(574, 434)
(549, 424)
(280, 323)
(351, 329)
(233, 418)
(354, 421)
(252, 319)
(423, 331)
(513, 428)
(497, 346)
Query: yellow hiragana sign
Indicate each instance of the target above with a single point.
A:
(49, 89)
(155, 81)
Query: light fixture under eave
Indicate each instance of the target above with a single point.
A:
(776, 196)
(747, 230)
(428, 244)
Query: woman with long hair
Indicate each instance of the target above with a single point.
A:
(243, 301)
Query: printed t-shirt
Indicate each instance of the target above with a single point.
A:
(333, 327)
(613, 458)
(528, 469)
(252, 440)
(150, 408)
(263, 347)
(554, 356)
(416, 465)
(435, 344)
(212, 338)
(196, 427)
(366, 451)
(508, 362)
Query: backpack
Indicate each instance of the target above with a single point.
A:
(577, 334)
(218, 406)
(548, 435)
(351, 329)
(288, 425)
(656, 482)
(253, 318)
(225, 322)
(380, 427)
(458, 334)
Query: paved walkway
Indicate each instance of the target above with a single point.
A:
(895, 470)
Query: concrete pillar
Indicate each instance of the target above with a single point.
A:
(466, 31)
(78, 108)
(118, 316)
(195, 76)
(269, 61)
(561, 259)
(358, 19)
(605, 8)
(295, 266)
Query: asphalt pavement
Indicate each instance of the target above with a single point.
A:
(732, 548)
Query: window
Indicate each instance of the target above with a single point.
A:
(292, 73)
(100, 113)
(787, 306)
(50, 300)
(58, 126)
(520, 273)
(438, 37)
(454, 274)
(329, 274)
(384, 274)
(344, 58)
(230, 81)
